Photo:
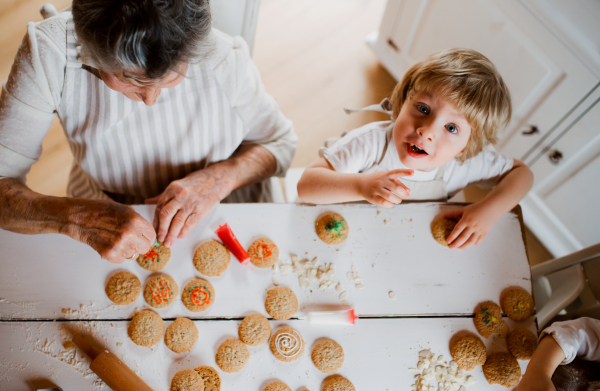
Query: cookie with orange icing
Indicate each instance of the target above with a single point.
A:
(160, 291)
(198, 295)
(263, 253)
(156, 258)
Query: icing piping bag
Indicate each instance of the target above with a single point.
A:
(230, 241)
(331, 317)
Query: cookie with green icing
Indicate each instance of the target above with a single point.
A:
(517, 304)
(488, 319)
(332, 228)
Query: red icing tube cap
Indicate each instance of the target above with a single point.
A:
(353, 317)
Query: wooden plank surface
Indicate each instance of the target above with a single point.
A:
(377, 352)
(392, 249)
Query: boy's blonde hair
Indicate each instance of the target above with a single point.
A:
(469, 81)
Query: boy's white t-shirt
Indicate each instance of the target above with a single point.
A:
(580, 337)
(364, 147)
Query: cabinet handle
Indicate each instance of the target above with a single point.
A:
(555, 156)
(532, 130)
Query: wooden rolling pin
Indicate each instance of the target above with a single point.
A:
(108, 367)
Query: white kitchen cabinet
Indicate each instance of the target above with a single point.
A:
(550, 60)
(562, 208)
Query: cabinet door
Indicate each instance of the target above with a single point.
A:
(562, 208)
(543, 76)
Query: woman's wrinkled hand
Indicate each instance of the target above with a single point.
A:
(182, 205)
(115, 231)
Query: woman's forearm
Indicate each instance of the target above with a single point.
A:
(250, 164)
(115, 231)
(27, 212)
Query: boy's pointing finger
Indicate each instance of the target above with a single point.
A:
(400, 172)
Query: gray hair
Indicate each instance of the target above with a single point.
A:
(153, 36)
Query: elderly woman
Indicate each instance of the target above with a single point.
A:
(157, 106)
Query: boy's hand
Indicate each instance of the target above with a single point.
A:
(379, 187)
(475, 222)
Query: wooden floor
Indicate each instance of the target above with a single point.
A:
(313, 59)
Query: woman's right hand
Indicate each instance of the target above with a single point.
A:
(116, 231)
(383, 187)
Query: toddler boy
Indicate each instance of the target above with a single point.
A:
(445, 110)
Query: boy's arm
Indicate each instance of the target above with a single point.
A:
(543, 363)
(321, 184)
(477, 219)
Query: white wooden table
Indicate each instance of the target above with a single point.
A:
(393, 250)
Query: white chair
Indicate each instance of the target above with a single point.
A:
(557, 283)
(236, 17)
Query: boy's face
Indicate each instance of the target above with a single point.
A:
(429, 132)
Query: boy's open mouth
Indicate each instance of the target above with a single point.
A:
(416, 150)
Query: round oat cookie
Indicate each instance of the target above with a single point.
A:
(254, 330)
(156, 258)
(187, 380)
(123, 288)
(198, 295)
(232, 355)
(146, 328)
(281, 303)
(441, 228)
(332, 228)
(503, 369)
(517, 304)
(181, 335)
(277, 386)
(328, 356)
(212, 380)
(212, 258)
(521, 343)
(161, 291)
(287, 345)
(338, 383)
(488, 319)
(468, 352)
(263, 253)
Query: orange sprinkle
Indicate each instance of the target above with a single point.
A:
(266, 250)
(162, 291)
(199, 296)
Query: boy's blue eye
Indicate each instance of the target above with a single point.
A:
(423, 109)
(451, 128)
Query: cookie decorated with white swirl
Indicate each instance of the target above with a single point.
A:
(287, 345)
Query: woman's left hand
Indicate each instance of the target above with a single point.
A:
(183, 204)
(475, 221)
